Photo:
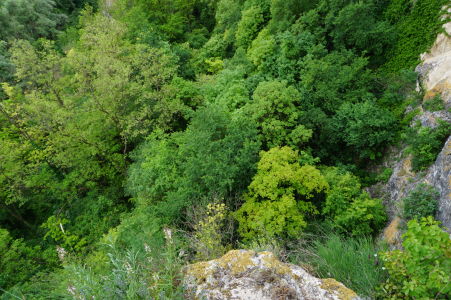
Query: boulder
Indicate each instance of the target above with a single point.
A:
(248, 275)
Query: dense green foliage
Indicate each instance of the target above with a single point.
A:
(425, 144)
(281, 196)
(275, 109)
(21, 19)
(214, 157)
(416, 24)
(137, 136)
(421, 270)
(434, 104)
(19, 261)
(364, 128)
(421, 202)
(351, 209)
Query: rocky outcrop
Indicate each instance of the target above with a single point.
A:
(247, 275)
(434, 78)
(439, 176)
(435, 69)
(404, 180)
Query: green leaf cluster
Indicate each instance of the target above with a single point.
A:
(19, 261)
(421, 202)
(364, 127)
(425, 144)
(215, 156)
(421, 269)
(275, 107)
(353, 211)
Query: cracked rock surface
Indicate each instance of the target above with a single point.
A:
(248, 275)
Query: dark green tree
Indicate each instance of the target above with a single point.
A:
(364, 128)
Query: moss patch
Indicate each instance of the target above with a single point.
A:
(331, 285)
(237, 261)
(271, 262)
(199, 271)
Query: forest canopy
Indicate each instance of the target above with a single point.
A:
(144, 135)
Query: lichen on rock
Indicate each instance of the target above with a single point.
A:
(243, 274)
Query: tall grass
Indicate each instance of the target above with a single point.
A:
(352, 261)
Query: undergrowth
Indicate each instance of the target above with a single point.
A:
(352, 261)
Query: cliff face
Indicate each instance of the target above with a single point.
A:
(247, 275)
(439, 176)
(434, 78)
(404, 180)
(435, 69)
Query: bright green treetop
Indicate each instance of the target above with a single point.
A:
(279, 199)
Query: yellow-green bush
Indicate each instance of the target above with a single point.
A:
(279, 199)
(208, 236)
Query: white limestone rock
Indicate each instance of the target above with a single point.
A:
(247, 275)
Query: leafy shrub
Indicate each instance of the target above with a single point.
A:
(215, 156)
(421, 202)
(364, 127)
(399, 92)
(356, 27)
(261, 48)
(207, 238)
(352, 210)
(276, 110)
(371, 178)
(425, 144)
(343, 189)
(351, 261)
(250, 24)
(331, 80)
(421, 270)
(365, 216)
(434, 104)
(385, 175)
(278, 200)
(55, 230)
(19, 261)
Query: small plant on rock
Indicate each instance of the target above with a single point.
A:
(421, 202)
(208, 235)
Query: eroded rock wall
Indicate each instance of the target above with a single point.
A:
(434, 78)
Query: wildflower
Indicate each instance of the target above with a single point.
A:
(61, 252)
(128, 267)
(168, 235)
(71, 289)
(181, 253)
